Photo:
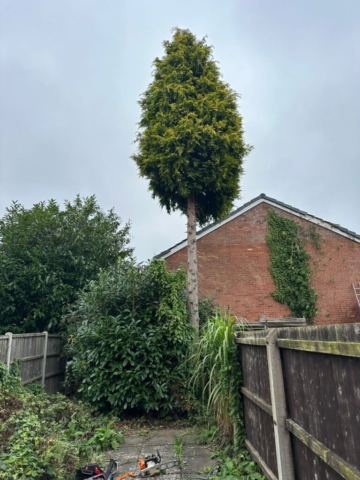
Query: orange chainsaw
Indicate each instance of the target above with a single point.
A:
(150, 466)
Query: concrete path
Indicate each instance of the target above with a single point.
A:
(196, 457)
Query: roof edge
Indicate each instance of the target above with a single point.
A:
(262, 198)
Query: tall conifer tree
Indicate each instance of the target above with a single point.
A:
(190, 141)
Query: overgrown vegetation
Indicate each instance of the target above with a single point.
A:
(217, 375)
(237, 467)
(217, 379)
(128, 337)
(46, 437)
(290, 267)
(48, 254)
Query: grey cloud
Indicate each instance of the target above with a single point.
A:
(71, 74)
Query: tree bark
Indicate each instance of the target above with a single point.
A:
(193, 300)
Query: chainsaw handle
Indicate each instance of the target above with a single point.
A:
(109, 468)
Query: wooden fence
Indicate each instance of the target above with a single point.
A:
(301, 392)
(40, 356)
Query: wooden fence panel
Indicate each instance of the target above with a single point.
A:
(320, 367)
(308, 466)
(55, 365)
(27, 347)
(33, 349)
(255, 371)
(260, 433)
(258, 421)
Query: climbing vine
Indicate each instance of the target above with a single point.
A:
(290, 267)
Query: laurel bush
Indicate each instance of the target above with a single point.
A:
(128, 337)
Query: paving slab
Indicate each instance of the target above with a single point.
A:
(188, 438)
(164, 437)
(135, 439)
(166, 451)
(197, 458)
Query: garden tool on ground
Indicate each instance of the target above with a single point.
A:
(92, 471)
(150, 466)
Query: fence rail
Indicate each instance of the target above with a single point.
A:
(40, 356)
(302, 402)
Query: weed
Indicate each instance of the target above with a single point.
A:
(237, 467)
(178, 449)
(105, 437)
(206, 435)
(240, 468)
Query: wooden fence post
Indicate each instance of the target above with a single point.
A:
(43, 376)
(8, 355)
(278, 401)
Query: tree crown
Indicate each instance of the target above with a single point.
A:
(191, 136)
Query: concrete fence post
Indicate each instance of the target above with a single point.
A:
(9, 347)
(43, 376)
(284, 457)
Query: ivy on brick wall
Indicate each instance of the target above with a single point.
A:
(290, 267)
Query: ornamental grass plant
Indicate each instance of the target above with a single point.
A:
(217, 376)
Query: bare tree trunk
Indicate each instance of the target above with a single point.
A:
(193, 300)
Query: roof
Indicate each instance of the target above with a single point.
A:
(262, 198)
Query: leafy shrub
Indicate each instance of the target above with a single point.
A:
(207, 309)
(45, 437)
(48, 254)
(217, 375)
(128, 339)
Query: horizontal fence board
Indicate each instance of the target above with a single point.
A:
(259, 460)
(32, 380)
(284, 322)
(54, 374)
(328, 333)
(344, 469)
(349, 349)
(28, 359)
(27, 335)
(255, 399)
(260, 342)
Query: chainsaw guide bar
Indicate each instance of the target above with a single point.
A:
(157, 468)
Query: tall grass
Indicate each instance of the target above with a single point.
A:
(217, 375)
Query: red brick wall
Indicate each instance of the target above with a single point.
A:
(234, 267)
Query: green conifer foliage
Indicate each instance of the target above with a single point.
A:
(190, 141)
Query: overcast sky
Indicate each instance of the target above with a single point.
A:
(72, 71)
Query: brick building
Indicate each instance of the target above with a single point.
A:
(234, 260)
